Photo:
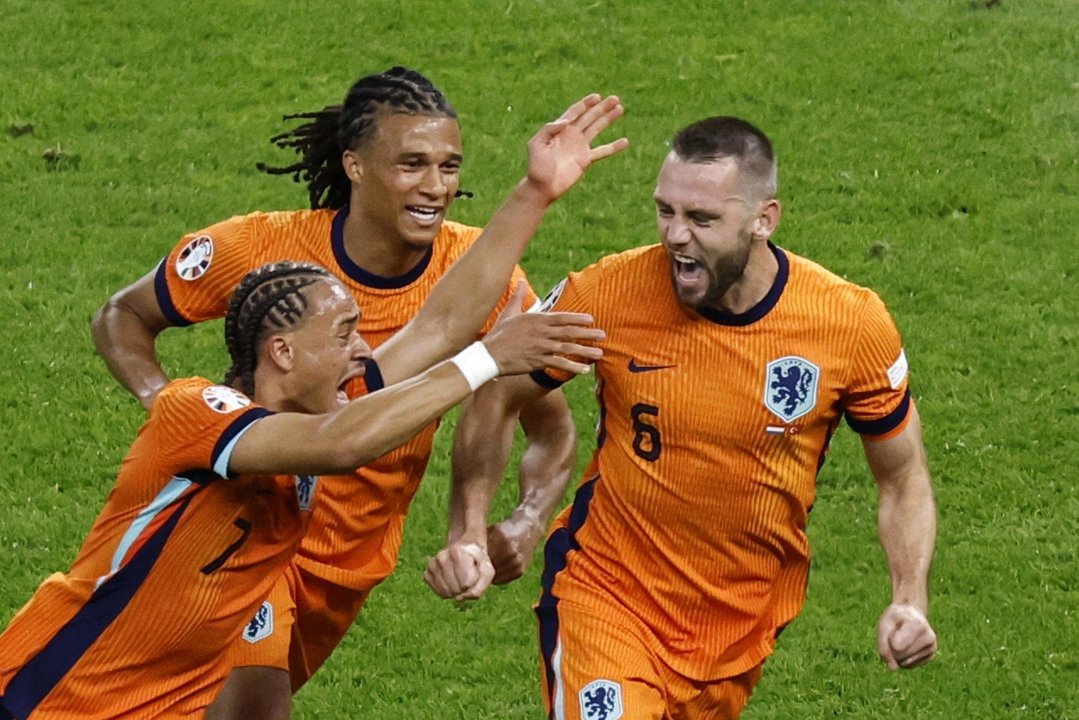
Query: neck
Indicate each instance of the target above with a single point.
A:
(374, 251)
(756, 281)
(272, 394)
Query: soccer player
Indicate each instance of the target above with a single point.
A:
(381, 172)
(212, 499)
(728, 364)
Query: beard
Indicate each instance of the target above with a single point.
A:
(721, 277)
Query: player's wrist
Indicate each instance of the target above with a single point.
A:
(476, 364)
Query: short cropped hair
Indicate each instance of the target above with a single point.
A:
(722, 137)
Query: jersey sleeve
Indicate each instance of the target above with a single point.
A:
(575, 293)
(199, 424)
(195, 281)
(877, 399)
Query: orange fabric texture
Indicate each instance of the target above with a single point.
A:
(712, 430)
(354, 537)
(602, 665)
(174, 567)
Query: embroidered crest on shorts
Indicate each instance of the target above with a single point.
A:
(550, 298)
(261, 626)
(194, 260)
(790, 387)
(601, 700)
(224, 399)
(305, 490)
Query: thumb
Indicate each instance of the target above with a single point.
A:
(513, 307)
(885, 630)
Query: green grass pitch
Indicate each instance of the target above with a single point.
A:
(927, 148)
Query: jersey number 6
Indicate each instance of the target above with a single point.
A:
(646, 440)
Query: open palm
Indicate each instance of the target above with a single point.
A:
(562, 150)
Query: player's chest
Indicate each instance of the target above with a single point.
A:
(720, 387)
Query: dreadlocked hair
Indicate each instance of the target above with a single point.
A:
(327, 133)
(268, 299)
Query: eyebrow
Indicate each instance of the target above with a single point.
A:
(455, 157)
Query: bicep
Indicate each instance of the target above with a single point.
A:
(140, 301)
(280, 444)
(900, 456)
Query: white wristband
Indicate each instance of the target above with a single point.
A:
(476, 364)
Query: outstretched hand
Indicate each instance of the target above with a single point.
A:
(905, 639)
(523, 342)
(562, 150)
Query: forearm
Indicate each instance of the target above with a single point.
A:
(465, 296)
(127, 346)
(481, 449)
(907, 525)
(548, 460)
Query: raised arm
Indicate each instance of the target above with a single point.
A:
(558, 156)
(124, 330)
(907, 524)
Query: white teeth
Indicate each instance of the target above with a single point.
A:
(423, 212)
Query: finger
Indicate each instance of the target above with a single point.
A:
(605, 151)
(435, 581)
(581, 352)
(513, 307)
(884, 648)
(485, 573)
(597, 118)
(577, 109)
(577, 333)
(464, 570)
(560, 363)
(919, 658)
(567, 318)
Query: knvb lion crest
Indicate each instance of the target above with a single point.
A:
(790, 387)
(261, 625)
(601, 700)
(305, 490)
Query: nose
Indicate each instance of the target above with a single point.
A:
(360, 349)
(433, 184)
(675, 231)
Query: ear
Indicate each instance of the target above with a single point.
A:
(352, 164)
(279, 349)
(767, 219)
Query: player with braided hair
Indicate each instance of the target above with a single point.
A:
(215, 494)
(381, 170)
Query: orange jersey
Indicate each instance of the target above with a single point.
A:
(173, 569)
(355, 536)
(689, 525)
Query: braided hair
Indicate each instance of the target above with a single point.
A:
(268, 299)
(327, 133)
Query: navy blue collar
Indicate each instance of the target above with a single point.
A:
(365, 277)
(766, 303)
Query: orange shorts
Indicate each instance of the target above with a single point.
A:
(596, 669)
(298, 626)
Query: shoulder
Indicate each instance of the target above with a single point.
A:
(810, 280)
(197, 395)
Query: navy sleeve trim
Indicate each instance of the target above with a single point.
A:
(882, 425)
(372, 375)
(544, 380)
(235, 428)
(164, 300)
